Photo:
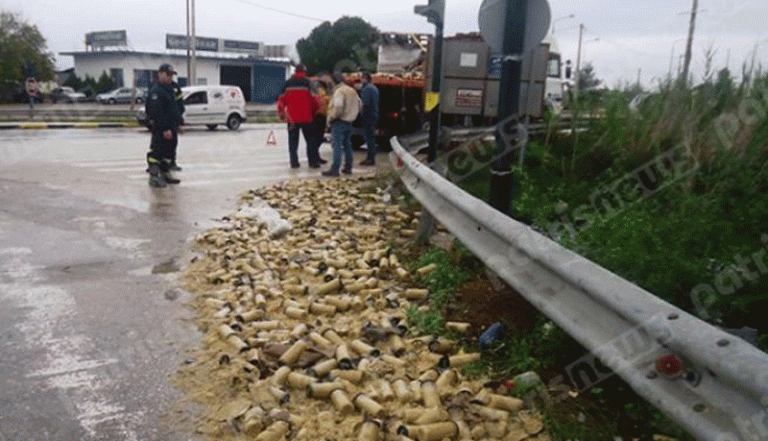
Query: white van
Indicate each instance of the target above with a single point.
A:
(210, 106)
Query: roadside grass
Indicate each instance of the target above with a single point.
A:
(516, 352)
(598, 414)
(601, 414)
(696, 222)
(442, 283)
(689, 231)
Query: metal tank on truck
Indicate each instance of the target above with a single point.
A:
(471, 78)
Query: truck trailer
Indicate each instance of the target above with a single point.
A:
(471, 75)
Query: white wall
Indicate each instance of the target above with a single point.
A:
(95, 65)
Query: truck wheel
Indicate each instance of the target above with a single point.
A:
(211, 126)
(233, 122)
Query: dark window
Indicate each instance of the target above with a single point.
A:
(553, 66)
(197, 98)
(117, 76)
(143, 78)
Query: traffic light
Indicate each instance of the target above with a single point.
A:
(434, 11)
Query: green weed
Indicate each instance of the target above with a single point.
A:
(430, 322)
(682, 234)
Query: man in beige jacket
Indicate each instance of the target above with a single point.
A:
(343, 110)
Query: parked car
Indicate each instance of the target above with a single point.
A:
(66, 94)
(209, 106)
(122, 95)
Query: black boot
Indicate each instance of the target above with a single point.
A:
(156, 177)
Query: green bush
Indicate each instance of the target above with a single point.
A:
(686, 231)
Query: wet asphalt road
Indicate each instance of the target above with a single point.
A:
(92, 324)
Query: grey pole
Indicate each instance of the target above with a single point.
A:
(688, 47)
(189, 47)
(435, 13)
(437, 63)
(578, 60)
(500, 194)
(193, 76)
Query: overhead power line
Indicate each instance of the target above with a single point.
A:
(281, 11)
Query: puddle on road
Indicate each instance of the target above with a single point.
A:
(166, 267)
(141, 272)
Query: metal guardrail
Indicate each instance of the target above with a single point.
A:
(420, 141)
(722, 394)
(81, 111)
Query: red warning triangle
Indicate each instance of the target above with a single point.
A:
(271, 140)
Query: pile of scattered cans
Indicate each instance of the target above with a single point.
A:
(307, 331)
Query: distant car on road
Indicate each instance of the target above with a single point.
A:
(66, 94)
(122, 95)
(209, 106)
(639, 101)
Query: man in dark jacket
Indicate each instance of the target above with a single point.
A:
(298, 107)
(164, 117)
(369, 117)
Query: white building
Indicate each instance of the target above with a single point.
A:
(260, 78)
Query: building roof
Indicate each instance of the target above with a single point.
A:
(179, 55)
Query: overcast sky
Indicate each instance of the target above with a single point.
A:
(621, 36)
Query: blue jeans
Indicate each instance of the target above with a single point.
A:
(341, 131)
(369, 132)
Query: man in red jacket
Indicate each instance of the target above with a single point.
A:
(298, 107)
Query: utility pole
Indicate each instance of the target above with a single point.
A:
(189, 47)
(578, 61)
(513, 45)
(193, 75)
(688, 48)
(435, 12)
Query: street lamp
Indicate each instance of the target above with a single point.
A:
(558, 19)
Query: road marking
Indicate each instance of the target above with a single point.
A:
(46, 327)
(254, 172)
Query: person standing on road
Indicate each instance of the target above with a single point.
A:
(369, 118)
(164, 119)
(324, 88)
(297, 107)
(343, 110)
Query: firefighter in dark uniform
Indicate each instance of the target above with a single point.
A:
(164, 118)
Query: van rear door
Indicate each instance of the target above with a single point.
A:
(217, 105)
